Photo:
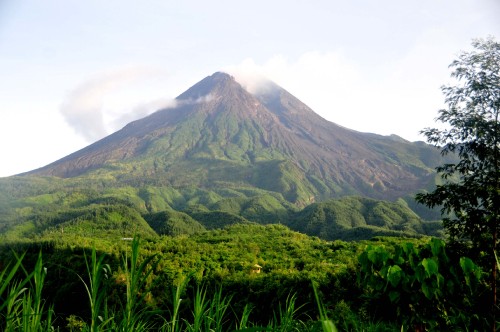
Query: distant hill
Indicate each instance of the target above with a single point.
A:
(117, 213)
(354, 218)
(221, 156)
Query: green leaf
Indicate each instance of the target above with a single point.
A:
(437, 247)
(471, 271)
(378, 255)
(467, 265)
(394, 275)
(440, 280)
(420, 273)
(408, 248)
(399, 260)
(430, 266)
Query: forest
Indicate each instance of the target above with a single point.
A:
(209, 281)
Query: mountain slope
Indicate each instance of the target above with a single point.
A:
(221, 136)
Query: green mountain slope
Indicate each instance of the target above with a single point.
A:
(50, 207)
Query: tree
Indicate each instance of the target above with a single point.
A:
(470, 193)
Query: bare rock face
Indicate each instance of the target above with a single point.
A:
(219, 134)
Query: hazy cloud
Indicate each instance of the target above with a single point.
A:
(82, 109)
(108, 101)
(202, 99)
(386, 98)
(250, 75)
(140, 111)
(325, 81)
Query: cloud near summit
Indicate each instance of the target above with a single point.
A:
(108, 101)
(336, 87)
(322, 80)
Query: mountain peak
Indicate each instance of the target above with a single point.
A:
(217, 83)
(220, 134)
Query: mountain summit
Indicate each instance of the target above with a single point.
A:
(219, 135)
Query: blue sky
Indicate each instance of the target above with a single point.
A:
(75, 71)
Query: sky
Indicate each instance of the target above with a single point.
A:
(72, 72)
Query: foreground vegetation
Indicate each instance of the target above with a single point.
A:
(205, 282)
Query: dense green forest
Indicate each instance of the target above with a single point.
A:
(174, 283)
(35, 207)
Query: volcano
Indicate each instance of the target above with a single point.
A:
(219, 135)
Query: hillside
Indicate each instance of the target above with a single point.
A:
(48, 208)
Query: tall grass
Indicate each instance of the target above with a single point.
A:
(22, 307)
(173, 325)
(243, 322)
(217, 312)
(200, 308)
(326, 324)
(135, 314)
(13, 291)
(207, 314)
(285, 319)
(34, 302)
(7, 283)
(97, 272)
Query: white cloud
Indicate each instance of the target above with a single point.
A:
(119, 120)
(108, 101)
(393, 98)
